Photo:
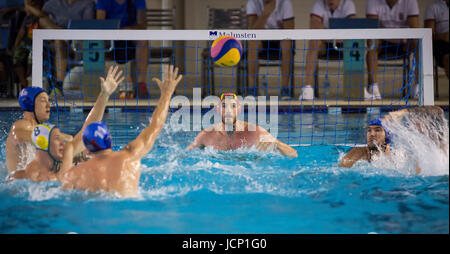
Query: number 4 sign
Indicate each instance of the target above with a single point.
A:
(354, 55)
(354, 69)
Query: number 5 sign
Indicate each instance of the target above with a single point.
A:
(93, 56)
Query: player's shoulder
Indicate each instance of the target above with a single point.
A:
(122, 154)
(258, 128)
(210, 130)
(207, 133)
(357, 150)
(22, 124)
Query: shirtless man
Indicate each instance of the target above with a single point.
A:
(428, 120)
(50, 142)
(36, 106)
(117, 172)
(378, 140)
(231, 133)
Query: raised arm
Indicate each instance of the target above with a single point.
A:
(109, 85)
(144, 142)
(76, 146)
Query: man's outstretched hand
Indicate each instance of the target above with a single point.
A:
(112, 80)
(170, 81)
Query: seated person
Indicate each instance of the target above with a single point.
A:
(436, 18)
(23, 42)
(321, 12)
(391, 14)
(428, 120)
(228, 134)
(119, 171)
(132, 16)
(35, 102)
(60, 12)
(270, 14)
(55, 14)
(12, 10)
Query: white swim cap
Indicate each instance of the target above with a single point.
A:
(41, 140)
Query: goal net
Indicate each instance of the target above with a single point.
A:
(307, 87)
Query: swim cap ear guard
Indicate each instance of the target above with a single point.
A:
(96, 137)
(222, 97)
(378, 122)
(41, 139)
(27, 98)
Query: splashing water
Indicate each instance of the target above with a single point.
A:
(240, 191)
(419, 140)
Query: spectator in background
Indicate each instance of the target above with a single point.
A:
(132, 16)
(321, 12)
(12, 14)
(3, 77)
(60, 12)
(391, 14)
(23, 43)
(11, 5)
(436, 18)
(56, 14)
(6, 7)
(270, 14)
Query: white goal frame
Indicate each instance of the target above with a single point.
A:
(423, 35)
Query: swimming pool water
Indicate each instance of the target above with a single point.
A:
(242, 191)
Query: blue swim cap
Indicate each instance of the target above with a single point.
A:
(27, 97)
(96, 137)
(378, 122)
